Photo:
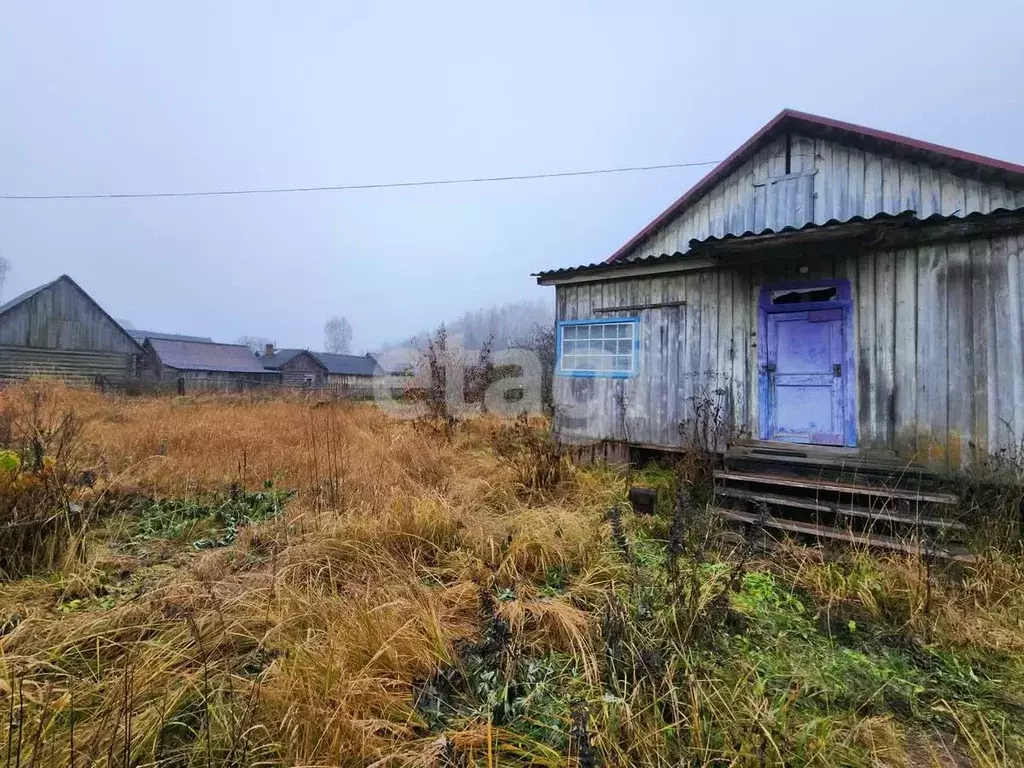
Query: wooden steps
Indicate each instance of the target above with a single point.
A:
(871, 498)
(851, 489)
(867, 513)
(872, 540)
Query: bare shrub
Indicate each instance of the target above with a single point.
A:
(705, 434)
(40, 469)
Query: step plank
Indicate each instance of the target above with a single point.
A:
(872, 540)
(834, 487)
(809, 450)
(838, 509)
(846, 464)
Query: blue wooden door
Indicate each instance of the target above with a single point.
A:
(805, 377)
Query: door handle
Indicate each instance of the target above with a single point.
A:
(769, 368)
(837, 370)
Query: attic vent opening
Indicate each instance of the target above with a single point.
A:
(805, 296)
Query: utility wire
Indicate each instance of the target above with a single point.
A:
(348, 187)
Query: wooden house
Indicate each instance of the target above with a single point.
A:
(190, 366)
(58, 330)
(827, 286)
(298, 368)
(302, 368)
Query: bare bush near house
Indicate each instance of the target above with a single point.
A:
(705, 433)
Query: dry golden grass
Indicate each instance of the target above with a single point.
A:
(308, 640)
(301, 643)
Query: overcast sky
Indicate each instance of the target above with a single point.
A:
(109, 97)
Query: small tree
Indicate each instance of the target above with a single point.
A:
(541, 342)
(338, 336)
(258, 344)
(5, 267)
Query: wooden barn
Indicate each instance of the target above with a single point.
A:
(826, 287)
(201, 366)
(57, 330)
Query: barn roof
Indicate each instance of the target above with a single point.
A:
(140, 336)
(23, 297)
(206, 356)
(791, 120)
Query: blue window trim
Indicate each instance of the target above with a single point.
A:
(559, 371)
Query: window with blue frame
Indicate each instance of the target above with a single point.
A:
(599, 347)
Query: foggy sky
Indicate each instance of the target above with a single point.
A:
(105, 97)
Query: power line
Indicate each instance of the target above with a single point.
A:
(348, 187)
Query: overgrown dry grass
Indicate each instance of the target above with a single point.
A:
(461, 600)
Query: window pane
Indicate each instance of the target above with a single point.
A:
(598, 347)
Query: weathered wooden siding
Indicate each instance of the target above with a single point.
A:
(61, 317)
(74, 366)
(826, 181)
(939, 331)
(295, 371)
(216, 381)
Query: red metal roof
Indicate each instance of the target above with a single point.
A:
(815, 125)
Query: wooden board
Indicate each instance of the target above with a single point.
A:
(831, 487)
(872, 540)
(839, 509)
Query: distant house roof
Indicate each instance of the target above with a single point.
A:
(23, 297)
(206, 356)
(281, 357)
(345, 365)
(351, 365)
(140, 336)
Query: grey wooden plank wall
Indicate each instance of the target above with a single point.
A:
(826, 181)
(68, 365)
(939, 349)
(60, 317)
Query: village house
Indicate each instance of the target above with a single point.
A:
(190, 366)
(316, 370)
(57, 330)
(830, 301)
(836, 285)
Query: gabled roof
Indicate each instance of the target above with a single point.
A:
(22, 298)
(791, 120)
(343, 365)
(283, 357)
(140, 336)
(206, 356)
